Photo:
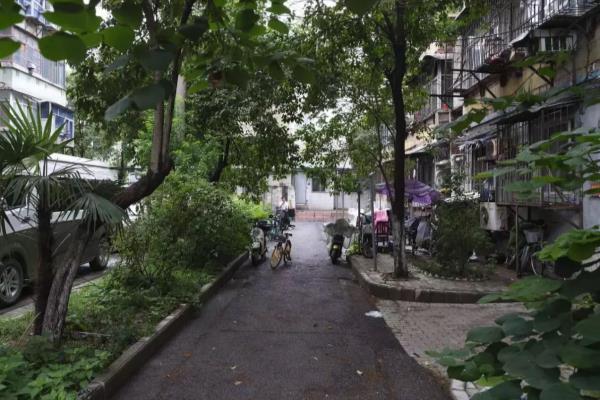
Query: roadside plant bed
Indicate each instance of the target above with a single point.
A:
(472, 272)
(104, 319)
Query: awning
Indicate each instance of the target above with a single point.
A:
(417, 150)
(520, 38)
(514, 114)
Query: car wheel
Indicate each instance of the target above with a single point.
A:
(11, 281)
(100, 262)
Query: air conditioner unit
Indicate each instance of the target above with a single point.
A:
(491, 150)
(493, 217)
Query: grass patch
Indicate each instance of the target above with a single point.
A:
(104, 319)
(473, 271)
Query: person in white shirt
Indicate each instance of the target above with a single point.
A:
(284, 206)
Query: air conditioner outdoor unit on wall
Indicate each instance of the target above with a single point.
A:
(493, 217)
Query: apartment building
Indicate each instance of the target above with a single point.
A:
(27, 78)
(486, 62)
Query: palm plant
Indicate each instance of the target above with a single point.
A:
(26, 172)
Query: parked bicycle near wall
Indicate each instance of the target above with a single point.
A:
(282, 250)
(530, 263)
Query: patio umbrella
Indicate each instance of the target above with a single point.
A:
(414, 191)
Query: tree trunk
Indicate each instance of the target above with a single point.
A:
(43, 279)
(60, 293)
(396, 80)
(215, 175)
(56, 297)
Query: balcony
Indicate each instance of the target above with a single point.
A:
(439, 86)
(486, 45)
(557, 13)
(33, 11)
(513, 137)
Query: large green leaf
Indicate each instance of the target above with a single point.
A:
(119, 37)
(586, 380)
(62, 46)
(246, 19)
(522, 365)
(117, 108)
(279, 9)
(79, 21)
(510, 390)
(276, 71)
(548, 358)
(155, 60)
(303, 74)
(560, 391)
(278, 26)
(129, 14)
(531, 288)
(8, 46)
(589, 328)
(361, 7)
(194, 30)
(580, 357)
(517, 326)
(91, 39)
(148, 97)
(237, 76)
(10, 14)
(485, 335)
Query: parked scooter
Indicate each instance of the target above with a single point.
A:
(259, 242)
(339, 234)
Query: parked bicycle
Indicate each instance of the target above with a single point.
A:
(530, 263)
(282, 250)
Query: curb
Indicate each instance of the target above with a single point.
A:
(117, 373)
(388, 292)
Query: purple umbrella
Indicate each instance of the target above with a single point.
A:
(415, 191)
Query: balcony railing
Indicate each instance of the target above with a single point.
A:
(486, 44)
(556, 9)
(439, 86)
(517, 135)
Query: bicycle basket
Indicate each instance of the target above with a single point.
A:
(533, 235)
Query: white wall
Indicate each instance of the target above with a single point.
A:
(33, 85)
(318, 200)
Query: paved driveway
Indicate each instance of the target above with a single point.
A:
(299, 332)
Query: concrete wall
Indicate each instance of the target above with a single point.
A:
(591, 204)
(14, 77)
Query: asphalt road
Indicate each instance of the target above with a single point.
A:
(299, 332)
(85, 276)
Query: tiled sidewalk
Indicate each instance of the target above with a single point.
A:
(420, 327)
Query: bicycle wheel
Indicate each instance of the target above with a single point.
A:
(524, 262)
(276, 256)
(287, 252)
(537, 266)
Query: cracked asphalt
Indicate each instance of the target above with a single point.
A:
(299, 332)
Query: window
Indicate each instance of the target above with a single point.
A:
(318, 185)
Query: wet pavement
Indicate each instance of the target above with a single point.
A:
(299, 332)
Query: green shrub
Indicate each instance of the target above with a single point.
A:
(475, 271)
(254, 211)
(41, 372)
(189, 223)
(457, 234)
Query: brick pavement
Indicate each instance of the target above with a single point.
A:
(428, 326)
(320, 216)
